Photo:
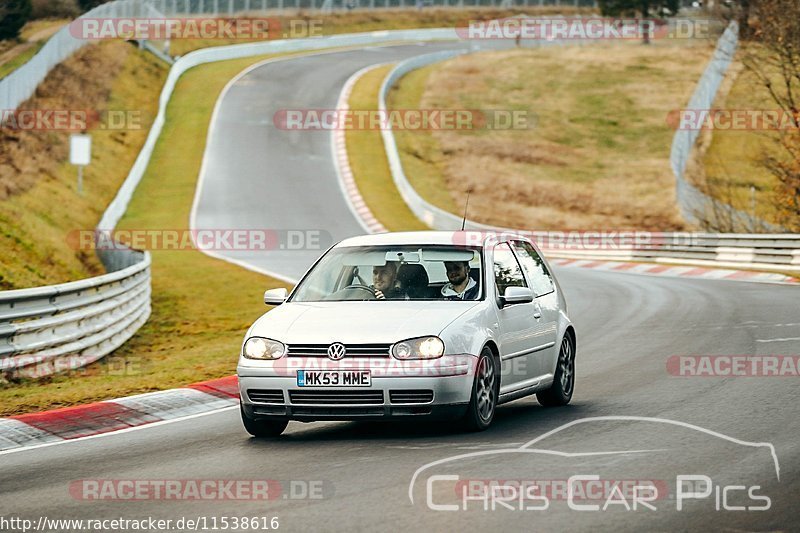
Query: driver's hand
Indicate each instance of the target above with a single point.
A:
(379, 295)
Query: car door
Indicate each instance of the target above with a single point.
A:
(519, 325)
(546, 301)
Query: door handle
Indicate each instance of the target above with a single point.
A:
(537, 315)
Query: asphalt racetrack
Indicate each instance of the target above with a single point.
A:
(638, 421)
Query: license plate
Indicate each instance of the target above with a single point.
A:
(333, 378)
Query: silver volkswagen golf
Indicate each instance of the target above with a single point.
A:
(403, 325)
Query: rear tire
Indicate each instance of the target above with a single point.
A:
(263, 428)
(485, 389)
(560, 393)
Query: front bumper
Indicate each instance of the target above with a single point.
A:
(434, 389)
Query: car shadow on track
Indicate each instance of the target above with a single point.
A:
(519, 419)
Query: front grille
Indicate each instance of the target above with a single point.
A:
(336, 397)
(272, 396)
(352, 350)
(411, 396)
(341, 413)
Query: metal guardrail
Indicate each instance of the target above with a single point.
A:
(696, 206)
(761, 251)
(21, 84)
(777, 252)
(44, 330)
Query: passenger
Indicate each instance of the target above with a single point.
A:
(384, 281)
(460, 285)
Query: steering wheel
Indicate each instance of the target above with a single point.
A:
(361, 287)
(358, 287)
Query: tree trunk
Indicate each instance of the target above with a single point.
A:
(646, 13)
(745, 32)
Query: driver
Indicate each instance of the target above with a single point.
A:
(460, 285)
(384, 281)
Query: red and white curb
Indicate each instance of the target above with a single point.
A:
(655, 269)
(342, 163)
(69, 423)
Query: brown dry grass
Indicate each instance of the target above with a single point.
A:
(599, 153)
(27, 156)
(38, 201)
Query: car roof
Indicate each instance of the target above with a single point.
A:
(462, 238)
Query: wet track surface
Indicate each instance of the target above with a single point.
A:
(628, 327)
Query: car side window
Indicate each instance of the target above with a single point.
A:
(535, 268)
(507, 272)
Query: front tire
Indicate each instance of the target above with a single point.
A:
(560, 393)
(483, 402)
(263, 428)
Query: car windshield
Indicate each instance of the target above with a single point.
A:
(423, 272)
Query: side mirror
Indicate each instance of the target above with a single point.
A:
(275, 296)
(517, 295)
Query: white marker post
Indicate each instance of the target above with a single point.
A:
(80, 154)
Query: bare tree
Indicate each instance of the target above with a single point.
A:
(13, 16)
(773, 56)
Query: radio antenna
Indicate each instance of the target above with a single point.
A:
(466, 205)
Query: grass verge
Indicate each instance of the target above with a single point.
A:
(20, 59)
(201, 306)
(422, 155)
(39, 203)
(730, 163)
(369, 164)
(16, 52)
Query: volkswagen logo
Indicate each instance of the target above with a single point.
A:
(336, 351)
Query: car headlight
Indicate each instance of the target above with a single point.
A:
(419, 348)
(261, 348)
